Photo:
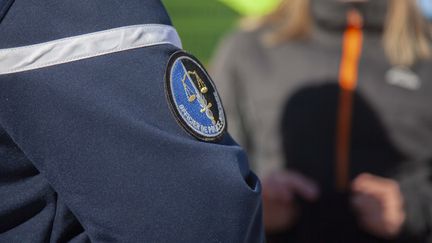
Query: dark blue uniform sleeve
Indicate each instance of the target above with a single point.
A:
(101, 132)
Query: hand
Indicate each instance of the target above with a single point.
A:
(379, 205)
(279, 191)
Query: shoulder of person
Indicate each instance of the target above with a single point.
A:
(243, 39)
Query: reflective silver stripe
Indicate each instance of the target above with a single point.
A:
(80, 47)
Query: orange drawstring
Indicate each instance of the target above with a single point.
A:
(348, 74)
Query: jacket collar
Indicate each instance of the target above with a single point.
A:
(331, 14)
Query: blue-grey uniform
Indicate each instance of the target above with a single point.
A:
(109, 132)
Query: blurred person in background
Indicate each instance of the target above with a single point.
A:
(331, 99)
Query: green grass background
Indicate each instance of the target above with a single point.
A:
(201, 24)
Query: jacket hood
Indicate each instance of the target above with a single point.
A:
(332, 13)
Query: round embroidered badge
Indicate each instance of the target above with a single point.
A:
(193, 98)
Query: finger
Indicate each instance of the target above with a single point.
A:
(276, 191)
(370, 184)
(285, 195)
(365, 205)
(301, 185)
(279, 216)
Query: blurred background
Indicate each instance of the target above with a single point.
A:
(201, 24)
(331, 101)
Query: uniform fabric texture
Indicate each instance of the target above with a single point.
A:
(90, 152)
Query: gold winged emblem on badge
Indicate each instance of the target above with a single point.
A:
(198, 94)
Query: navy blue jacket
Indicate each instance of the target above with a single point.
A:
(90, 150)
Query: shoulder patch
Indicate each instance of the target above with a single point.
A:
(193, 98)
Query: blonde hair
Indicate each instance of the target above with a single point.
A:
(405, 39)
